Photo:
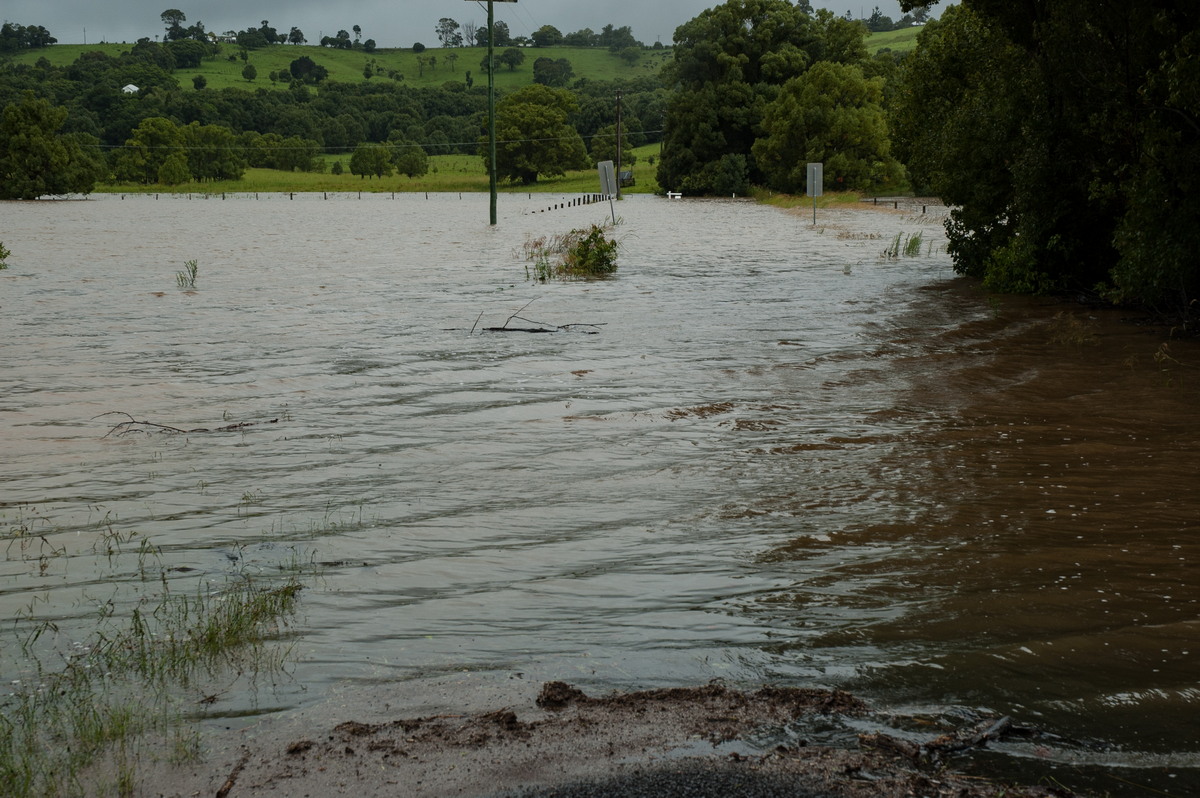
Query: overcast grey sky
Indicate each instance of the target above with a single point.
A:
(391, 23)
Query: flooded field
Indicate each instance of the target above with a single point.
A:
(766, 451)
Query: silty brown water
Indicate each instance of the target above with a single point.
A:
(781, 456)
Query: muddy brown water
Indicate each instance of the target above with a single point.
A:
(770, 453)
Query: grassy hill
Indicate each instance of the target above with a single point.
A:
(898, 41)
(596, 63)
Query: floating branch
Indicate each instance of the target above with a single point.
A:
(133, 425)
(542, 327)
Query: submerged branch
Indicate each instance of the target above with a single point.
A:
(134, 425)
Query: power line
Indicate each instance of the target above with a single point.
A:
(344, 150)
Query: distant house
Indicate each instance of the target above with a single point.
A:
(129, 88)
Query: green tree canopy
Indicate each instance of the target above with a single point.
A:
(371, 160)
(213, 153)
(512, 57)
(1097, 188)
(410, 158)
(833, 115)
(36, 160)
(534, 137)
(729, 63)
(154, 140)
(969, 77)
(547, 36)
(604, 145)
(552, 71)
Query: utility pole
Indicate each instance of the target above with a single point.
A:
(492, 106)
(618, 144)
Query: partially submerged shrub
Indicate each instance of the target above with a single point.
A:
(4, 253)
(586, 254)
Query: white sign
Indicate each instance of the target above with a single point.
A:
(608, 178)
(816, 180)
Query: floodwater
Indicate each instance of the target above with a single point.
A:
(765, 452)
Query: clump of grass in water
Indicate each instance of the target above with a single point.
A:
(910, 247)
(187, 277)
(913, 246)
(96, 705)
(579, 254)
(1066, 328)
(4, 255)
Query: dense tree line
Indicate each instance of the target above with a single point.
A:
(310, 113)
(14, 37)
(1067, 135)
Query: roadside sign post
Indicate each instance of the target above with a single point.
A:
(609, 184)
(816, 185)
(492, 106)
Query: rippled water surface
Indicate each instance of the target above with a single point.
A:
(766, 452)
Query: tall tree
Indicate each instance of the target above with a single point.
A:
(1100, 179)
(512, 57)
(448, 34)
(547, 36)
(36, 160)
(967, 75)
(212, 153)
(833, 115)
(729, 63)
(552, 71)
(173, 18)
(151, 143)
(535, 137)
(371, 160)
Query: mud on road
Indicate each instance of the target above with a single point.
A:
(566, 744)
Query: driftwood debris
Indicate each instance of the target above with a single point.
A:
(931, 753)
(133, 425)
(542, 327)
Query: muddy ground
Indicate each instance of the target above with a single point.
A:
(562, 743)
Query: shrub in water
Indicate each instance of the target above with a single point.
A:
(586, 254)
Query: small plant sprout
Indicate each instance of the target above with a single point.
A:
(187, 277)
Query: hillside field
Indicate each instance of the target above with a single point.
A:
(443, 65)
(898, 41)
(446, 173)
(347, 66)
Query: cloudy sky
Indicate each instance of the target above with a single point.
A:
(391, 23)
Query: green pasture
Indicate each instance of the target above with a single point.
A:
(443, 65)
(447, 173)
(898, 41)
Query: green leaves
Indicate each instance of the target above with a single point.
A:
(534, 137)
(833, 115)
(1068, 140)
(731, 63)
(36, 161)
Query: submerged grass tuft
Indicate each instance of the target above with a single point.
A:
(87, 705)
(1067, 328)
(578, 254)
(908, 246)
